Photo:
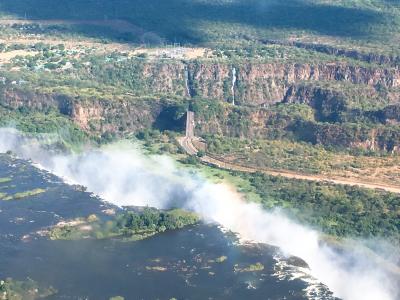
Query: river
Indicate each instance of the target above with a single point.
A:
(181, 264)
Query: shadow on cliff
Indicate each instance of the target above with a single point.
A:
(183, 20)
(171, 118)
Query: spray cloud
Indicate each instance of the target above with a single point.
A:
(120, 174)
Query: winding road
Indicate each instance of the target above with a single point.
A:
(187, 144)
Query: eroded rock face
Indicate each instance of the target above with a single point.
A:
(115, 116)
(94, 115)
(43, 102)
(268, 83)
(99, 116)
(256, 83)
(165, 78)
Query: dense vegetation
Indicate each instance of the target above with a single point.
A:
(131, 225)
(57, 129)
(338, 210)
(342, 211)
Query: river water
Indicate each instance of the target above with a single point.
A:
(178, 264)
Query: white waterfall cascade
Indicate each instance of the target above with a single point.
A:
(187, 83)
(234, 79)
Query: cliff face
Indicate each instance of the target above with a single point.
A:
(264, 123)
(94, 115)
(162, 78)
(16, 99)
(100, 116)
(256, 84)
(269, 82)
(115, 116)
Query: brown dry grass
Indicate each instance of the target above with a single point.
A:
(8, 56)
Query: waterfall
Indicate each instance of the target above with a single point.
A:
(234, 78)
(188, 92)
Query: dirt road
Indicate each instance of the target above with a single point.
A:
(187, 145)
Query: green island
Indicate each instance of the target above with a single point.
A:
(5, 179)
(221, 259)
(21, 195)
(23, 290)
(129, 225)
(257, 267)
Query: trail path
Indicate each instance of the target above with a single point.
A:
(187, 144)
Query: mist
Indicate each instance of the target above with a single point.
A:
(121, 174)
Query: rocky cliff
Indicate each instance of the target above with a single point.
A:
(256, 84)
(91, 114)
(271, 124)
